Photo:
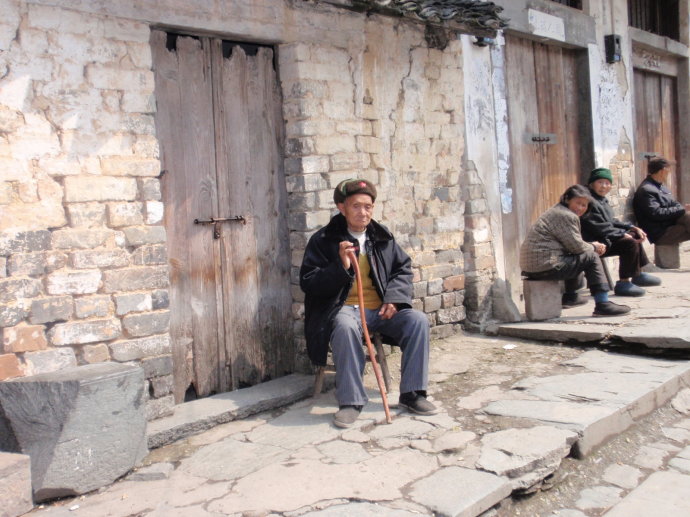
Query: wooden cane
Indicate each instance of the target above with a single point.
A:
(370, 347)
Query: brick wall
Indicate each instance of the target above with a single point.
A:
(387, 108)
(83, 269)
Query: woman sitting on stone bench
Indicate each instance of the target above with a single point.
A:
(621, 239)
(554, 250)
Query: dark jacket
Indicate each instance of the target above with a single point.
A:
(327, 283)
(655, 209)
(600, 224)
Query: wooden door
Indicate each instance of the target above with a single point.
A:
(219, 126)
(656, 124)
(550, 137)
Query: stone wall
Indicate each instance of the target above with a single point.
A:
(83, 268)
(390, 109)
(82, 246)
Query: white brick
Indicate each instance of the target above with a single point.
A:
(9, 22)
(59, 165)
(335, 144)
(115, 78)
(15, 92)
(99, 188)
(74, 282)
(125, 214)
(140, 53)
(126, 30)
(47, 361)
(126, 166)
(138, 102)
(62, 20)
(295, 52)
(81, 332)
(86, 214)
(154, 212)
(12, 169)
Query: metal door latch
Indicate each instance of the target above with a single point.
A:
(542, 138)
(215, 221)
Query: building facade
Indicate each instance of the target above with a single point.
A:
(163, 163)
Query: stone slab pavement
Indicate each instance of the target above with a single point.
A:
(659, 319)
(512, 411)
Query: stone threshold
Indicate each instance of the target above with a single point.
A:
(199, 415)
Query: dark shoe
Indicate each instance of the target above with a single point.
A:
(572, 300)
(417, 403)
(627, 289)
(346, 416)
(646, 280)
(610, 309)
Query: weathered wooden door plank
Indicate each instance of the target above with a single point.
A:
(175, 199)
(200, 166)
(656, 123)
(185, 124)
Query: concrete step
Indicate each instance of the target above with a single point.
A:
(198, 415)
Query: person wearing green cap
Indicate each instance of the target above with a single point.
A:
(620, 238)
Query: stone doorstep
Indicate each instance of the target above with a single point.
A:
(556, 331)
(202, 414)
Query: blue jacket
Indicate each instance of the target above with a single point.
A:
(655, 208)
(326, 283)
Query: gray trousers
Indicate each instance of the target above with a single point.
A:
(409, 328)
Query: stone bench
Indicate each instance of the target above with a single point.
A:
(667, 256)
(82, 427)
(542, 299)
(15, 484)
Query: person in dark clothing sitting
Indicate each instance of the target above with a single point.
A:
(332, 307)
(554, 250)
(620, 238)
(664, 219)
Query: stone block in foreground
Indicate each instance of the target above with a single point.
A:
(83, 427)
(460, 492)
(15, 484)
(542, 299)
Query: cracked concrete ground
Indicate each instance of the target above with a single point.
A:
(520, 419)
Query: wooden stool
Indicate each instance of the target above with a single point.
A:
(380, 359)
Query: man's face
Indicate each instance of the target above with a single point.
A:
(662, 175)
(358, 210)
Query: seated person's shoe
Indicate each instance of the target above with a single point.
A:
(646, 280)
(417, 403)
(346, 416)
(572, 300)
(610, 309)
(627, 289)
